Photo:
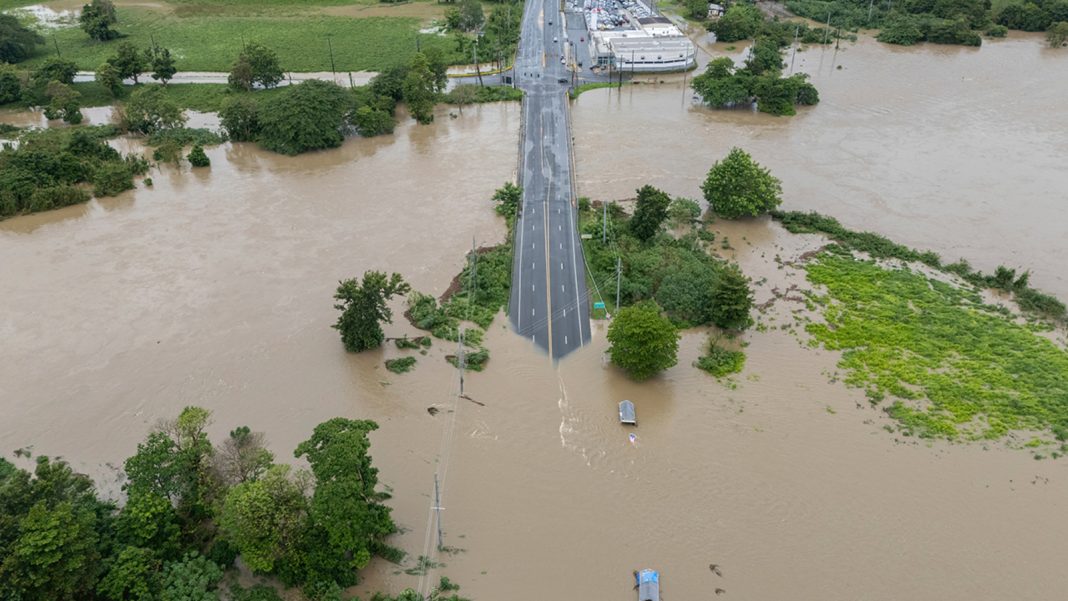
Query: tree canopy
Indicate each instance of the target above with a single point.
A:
(650, 212)
(307, 116)
(255, 65)
(17, 42)
(364, 307)
(738, 186)
(97, 18)
(643, 343)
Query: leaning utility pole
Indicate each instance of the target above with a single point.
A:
(437, 511)
(619, 272)
(604, 228)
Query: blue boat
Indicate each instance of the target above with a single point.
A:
(648, 585)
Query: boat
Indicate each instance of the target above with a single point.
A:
(626, 413)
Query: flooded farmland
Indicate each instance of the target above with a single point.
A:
(214, 287)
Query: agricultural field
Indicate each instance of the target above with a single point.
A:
(206, 36)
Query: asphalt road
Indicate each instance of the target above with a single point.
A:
(549, 301)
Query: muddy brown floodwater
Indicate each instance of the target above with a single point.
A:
(959, 150)
(215, 286)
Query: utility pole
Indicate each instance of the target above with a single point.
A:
(474, 58)
(827, 31)
(619, 273)
(604, 229)
(437, 510)
(333, 71)
(871, 4)
(56, 42)
(794, 55)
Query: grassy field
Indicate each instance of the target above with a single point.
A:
(205, 40)
(953, 367)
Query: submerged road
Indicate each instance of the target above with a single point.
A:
(549, 300)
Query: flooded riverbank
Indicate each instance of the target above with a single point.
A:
(214, 288)
(958, 150)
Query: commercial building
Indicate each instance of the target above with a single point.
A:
(628, 35)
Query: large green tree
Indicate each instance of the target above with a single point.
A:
(129, 61)
(420, 89)
(738, 186)
(307, 116)
(732, 300)
(194, 578)
(55, 555)
(17, 42)
(149, 110)
(651, 210)
(256, 65)
(364, 307)
(160, 63)
(133, 575)
(643, 343)
(240, 118)
(97, 18)
(347, 519)
(265, 518)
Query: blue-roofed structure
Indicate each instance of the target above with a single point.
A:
(648, 585)
(626, 413)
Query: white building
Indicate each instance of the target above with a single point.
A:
(655, 45)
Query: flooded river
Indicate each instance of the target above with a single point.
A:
(214, 287)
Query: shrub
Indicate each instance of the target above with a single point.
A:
(401, 365)
(197, 158)
(738, 186)
(307, 116)
(721, 362)
(240, 119)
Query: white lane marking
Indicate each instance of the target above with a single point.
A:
(532, 311)
(565, 339)
(561, 265)
(532, 287)
(561, 287)
(560, 227)
(532, 264)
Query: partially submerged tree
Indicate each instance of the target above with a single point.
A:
(108, 76)
(150, 110)
(643, 343)
(161, 63)
(732, 299)
(738, 186)
(651, 210)
(364, 307)
(420, 89)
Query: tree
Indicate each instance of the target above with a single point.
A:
(508, 198)
(194, 578)
(10, 86)
(54, 556)
(17, 42)
(1057, 35)
(732, 299)
(419, 89)
(307, 116)
(685, 293)
(471, 16)
(265, 518)
(197, 158)
(63, 103)
(54, 69)
(363, 307)
(370, 121)
(150, 110)
(463, 94)
(720, 86)
(161, 63)
(684, 211)
(133, 576)
(345, 511)
(650, 212)
(129, 62)
(243, 457)
(643, 342)
(257, 64)
(108, 76)
(738, 186)
(741, 21)
(697, 9)
(439, 68)
(97, 18)
(148, 520)
(240, 118)
(765, 57)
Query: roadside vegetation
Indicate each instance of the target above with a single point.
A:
(672, 274)
(948, 365)
(191, 509)
(960, 22)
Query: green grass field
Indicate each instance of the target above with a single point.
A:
(211, 43)
(953, 367)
